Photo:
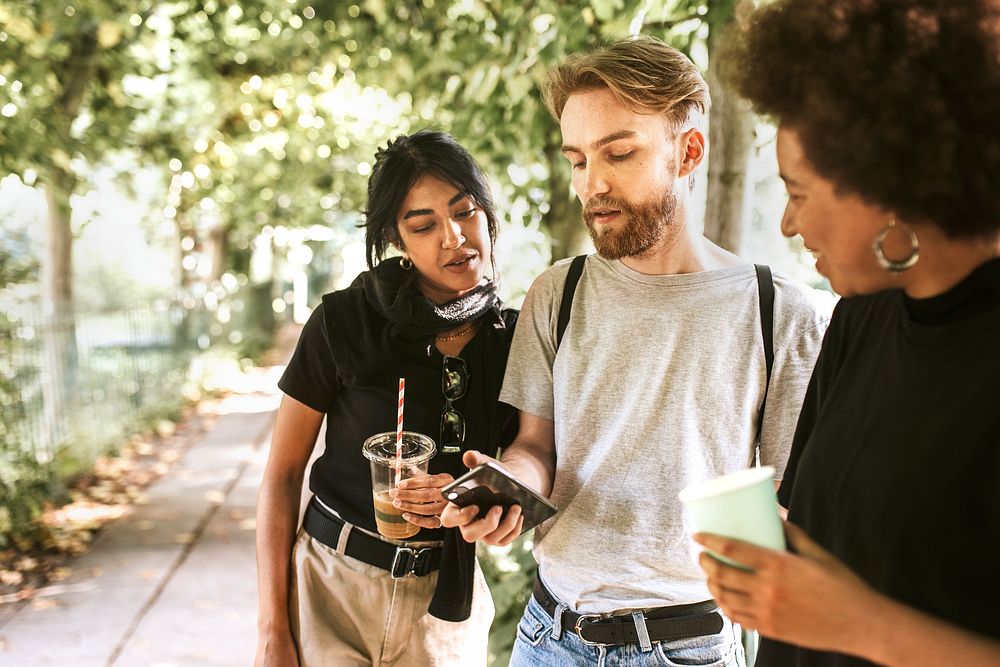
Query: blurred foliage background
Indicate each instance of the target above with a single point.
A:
(181, 176)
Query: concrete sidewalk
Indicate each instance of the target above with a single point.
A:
(173, 582)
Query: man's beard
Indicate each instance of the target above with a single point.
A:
(642, 225)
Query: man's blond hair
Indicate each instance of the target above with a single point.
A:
(646, 75)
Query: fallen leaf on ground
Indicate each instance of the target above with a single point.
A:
(26, 564)
(165, 428)
(11, 577)
(169, 456)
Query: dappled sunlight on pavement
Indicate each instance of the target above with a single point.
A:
(172, 580)
(247, 404)
(241, 383)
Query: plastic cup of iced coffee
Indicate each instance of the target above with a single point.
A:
(388, 470)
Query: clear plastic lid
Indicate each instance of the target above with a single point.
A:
(381, 448)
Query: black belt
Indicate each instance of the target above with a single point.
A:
(663, 624)
(398, 561)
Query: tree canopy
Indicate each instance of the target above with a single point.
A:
(267, 112)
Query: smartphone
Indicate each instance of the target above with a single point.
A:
(488, 484)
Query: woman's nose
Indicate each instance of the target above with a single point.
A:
(453, 237)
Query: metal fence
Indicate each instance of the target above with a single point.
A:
(80, 383)
(75, 387)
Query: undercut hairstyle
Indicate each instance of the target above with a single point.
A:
(643, 73)
(400, 165)
(896, 101)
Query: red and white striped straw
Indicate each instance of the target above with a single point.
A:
(399, 429)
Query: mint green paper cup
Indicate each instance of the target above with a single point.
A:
(741, 505)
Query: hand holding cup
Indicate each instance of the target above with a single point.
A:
(419, 499)
(392, 462)
(741, 505)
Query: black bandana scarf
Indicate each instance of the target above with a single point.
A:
(382, 318)
(393, 292)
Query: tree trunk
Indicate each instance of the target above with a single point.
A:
(564, 221)
(731, 145)
(60, 350)
(60, 346)
(182, 280)
(57, 263)
(218, 240)
(260, 312)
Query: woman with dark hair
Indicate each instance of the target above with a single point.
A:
(339, 593)
(889, 145)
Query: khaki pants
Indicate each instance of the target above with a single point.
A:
(346, 613)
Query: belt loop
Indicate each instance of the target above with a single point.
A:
(557, 616)
(345, 533)
(640, 628)
(602, 654)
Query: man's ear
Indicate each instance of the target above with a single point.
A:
(692, 147)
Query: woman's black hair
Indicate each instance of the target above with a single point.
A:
(397, 168)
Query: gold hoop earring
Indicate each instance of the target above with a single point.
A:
(405, 263)
(896, 265)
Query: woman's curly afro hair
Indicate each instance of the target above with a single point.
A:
(897, 101)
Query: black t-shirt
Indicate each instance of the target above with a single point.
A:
(357, 408)
(895, 464)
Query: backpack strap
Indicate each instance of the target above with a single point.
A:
(765, 288)
(566, 306)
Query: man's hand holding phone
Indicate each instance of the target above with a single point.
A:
(496, 527)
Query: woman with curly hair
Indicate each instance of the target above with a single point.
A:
(889, 145)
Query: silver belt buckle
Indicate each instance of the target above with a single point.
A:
(406, 560)
(579, 622)
(402, 562)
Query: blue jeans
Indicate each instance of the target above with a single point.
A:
(536, 646)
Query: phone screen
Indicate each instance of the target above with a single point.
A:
(488, 485)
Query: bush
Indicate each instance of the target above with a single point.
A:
(510, 572)
(26, 486)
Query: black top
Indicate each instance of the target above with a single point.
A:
(895, 464)
(360, 405)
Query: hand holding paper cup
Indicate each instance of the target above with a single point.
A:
(741, 505)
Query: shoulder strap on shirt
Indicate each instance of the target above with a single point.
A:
(765, 288)
(566, 306)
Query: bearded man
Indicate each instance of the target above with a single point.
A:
(658, 382)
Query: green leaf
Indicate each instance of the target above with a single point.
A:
(109, 34)
(605, 9)
(488, 85)
(518, 88)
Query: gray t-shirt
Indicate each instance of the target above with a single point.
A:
(657, 384)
